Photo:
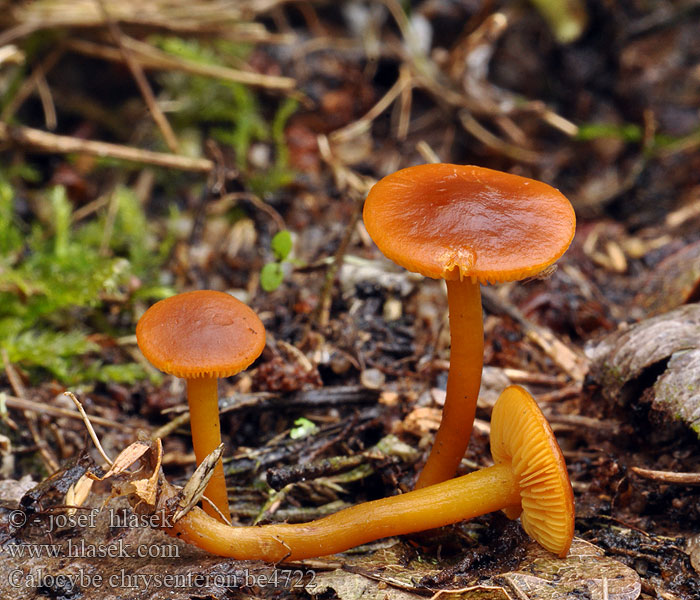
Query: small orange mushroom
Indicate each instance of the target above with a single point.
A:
(467, 225)
(201, 336)
(529, 479)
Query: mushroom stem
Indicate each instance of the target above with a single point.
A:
(463, 382)
(203, 400)
(458, 499)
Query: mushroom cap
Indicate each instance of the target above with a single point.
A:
(453, 221)
(521, 436)
(200, 334)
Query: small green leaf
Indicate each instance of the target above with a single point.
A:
(271, 276)
(281, 244)
(303, 428)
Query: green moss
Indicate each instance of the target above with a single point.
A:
(55, 277)
(231, 111)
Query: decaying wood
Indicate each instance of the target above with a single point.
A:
(315, 398)
(670, 342)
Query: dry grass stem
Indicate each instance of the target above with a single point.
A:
(150, 57)
(30, 416)
(141, 81)
(184, 16)
(91, 430)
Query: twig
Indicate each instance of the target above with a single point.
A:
(47, 103)
(30, 416)
(570, 360)
(221, 205)
(570, 391)
(579, 421)
(91, 430)
(668, 476)
(425, 150)
(141, 81)
(363, 123)
(153, 58)
(31, 83)
(223, 18)
(492, 141)
(170, 426)
(61, 144)
(314, 398)
(40, 407)
(279, 477)
(324, 301)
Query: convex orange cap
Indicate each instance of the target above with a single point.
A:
(200, 334)
(455, 222)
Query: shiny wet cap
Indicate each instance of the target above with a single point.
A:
(454, 222)
(200, 334)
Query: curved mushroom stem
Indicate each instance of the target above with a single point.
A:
(458, 499)
(463, 382)
(203, 400)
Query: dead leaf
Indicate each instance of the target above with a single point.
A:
(78, 493)
(126, 458)
(422, 420)
(146, 489)
(194, 489)
(52, 490)
(351, 586)
(585, 573)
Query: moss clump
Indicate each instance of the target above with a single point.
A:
(56, 277)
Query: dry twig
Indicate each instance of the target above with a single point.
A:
(30, 416)
(668, 476)
(40, 407)
(141, 81)
(150, 57)
(61, 144)
(90, 429)
(568, 358)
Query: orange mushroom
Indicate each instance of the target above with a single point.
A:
(529, 479)
(467, 225)
(201, 336)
